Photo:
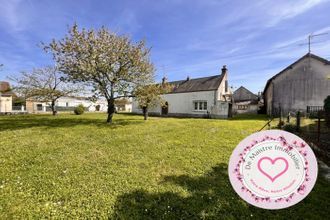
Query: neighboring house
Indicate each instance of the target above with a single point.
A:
(301, 86)
(123, 105)
(6, 97)
(6, 103)
(66, 104)
(200, 97)
(244, 101)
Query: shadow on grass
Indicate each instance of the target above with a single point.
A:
(211, 196)
(46, 121)
(250, 117)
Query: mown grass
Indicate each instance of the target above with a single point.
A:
(72, 166)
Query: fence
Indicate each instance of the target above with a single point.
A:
(311, 127)
(20, 108)
(62, 109)
(312, 111)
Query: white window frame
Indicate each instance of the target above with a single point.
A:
(201, 104)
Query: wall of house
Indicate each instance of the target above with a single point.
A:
(268, 98)
(6, 104)
(220, 110)
(251, 109)
(306, 84)
(32, 106)
(221, 92)
(182, 103)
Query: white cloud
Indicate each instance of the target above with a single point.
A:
(11, 16)
(282, 10)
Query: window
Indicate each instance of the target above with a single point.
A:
(242, 107)
(200, 105)
(226, 86)
(39, 107)
(67, 104)
(196, 105)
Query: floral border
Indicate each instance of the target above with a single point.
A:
(300, 146)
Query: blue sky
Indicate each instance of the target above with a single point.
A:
(255, 39)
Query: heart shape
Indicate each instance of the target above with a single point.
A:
(273, 161)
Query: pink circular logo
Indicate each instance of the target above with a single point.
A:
(272, 169)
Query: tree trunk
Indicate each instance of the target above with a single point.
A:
(145, 112)
(53, 108)
(111, 109)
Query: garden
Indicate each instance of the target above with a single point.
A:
(77, 166)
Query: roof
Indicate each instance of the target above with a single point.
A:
(325, 61)
(210, 83)
(5, 89)
(4, 86)
(240, 97)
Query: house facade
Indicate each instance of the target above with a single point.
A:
(200, 97)
(302, 86)
(66, 104)
(245, 101)
(6, 103)
(123, 105)
(6, 97)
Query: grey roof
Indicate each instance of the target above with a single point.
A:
(243, 94)
(199, 84)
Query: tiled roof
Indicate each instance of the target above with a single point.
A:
(199, 84)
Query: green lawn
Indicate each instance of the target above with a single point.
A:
(78, 166)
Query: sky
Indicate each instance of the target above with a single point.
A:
(255, 39)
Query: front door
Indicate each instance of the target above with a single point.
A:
(165, 109)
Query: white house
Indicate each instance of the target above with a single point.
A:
(67, 104)
(5, 103)
(200, 97)
(6, 97)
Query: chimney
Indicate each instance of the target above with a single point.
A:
(224, 69)
(164, 80)
(188, 78)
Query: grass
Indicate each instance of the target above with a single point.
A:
(72, 166)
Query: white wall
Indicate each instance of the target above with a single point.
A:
(5, 104)
(182, 103)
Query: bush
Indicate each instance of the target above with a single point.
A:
(327, 110)
(289, 128)
(79, 110)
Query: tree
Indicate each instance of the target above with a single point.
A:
(150, 96)
(111, 64)
(45, 85)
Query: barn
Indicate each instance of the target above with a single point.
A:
(302, 86)
(245, 101)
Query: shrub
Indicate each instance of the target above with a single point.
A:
(79, 110)
(289, 128)
(327, 110)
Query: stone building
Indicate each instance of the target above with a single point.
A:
(302, 86)
(245, 101)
